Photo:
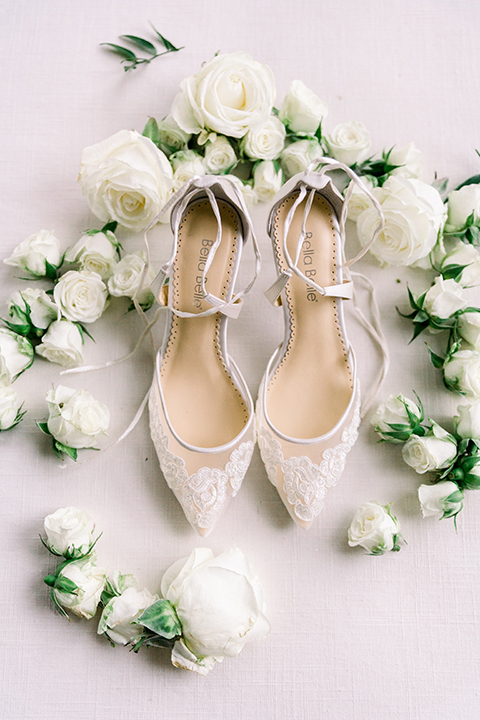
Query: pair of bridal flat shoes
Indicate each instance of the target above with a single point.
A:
(202, 416)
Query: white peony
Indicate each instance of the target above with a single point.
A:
(298, 155)
(462, 371)
(414, 214)
(68, 530)
(219, 604)
(117, 620)
(76, 419)
(434, 451)
(9, 407)
(43, 310)
(461, 204)
(81, 296)
(302, 111)
(267, 181)
(374, 528)
(219, 155)
(444, 298)
(467, 421)
(469, 328)
(126, 178)
(410, 160)
(230, 94)
(359, 200)
(266, 141)
(443, 499)
(90, 581)
(62, 344)
(468, 256)
(125, 281)
(17, 352)
(349, 142)
(393, 412)
(33, 253)
(95, 252)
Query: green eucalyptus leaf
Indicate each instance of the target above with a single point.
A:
(140, 43)
(124, 52)
(162, 619)
(167, 44)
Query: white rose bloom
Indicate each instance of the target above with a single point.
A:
(373, 528)
(461, 204)
(393, 412)
(96, 252)
(444, 298)
(76, 419)
(410, 159)
(219, 155)
(126, 178)
(298, 155)
(230, 94)
(9, 407)
(125, 281)
(267, 181)
(467, 255)
(359, 200)
(302, 111)
(414, 214)
(463, 371)
(5, 376)
(69, 529)
(218, 601)
(62, 344)
(81, 296)
(249, 194)
(186, 171)
(43, 310)
(265, 142)
(90, 580)
(435, 499)
(183, 156)
(119, 583)
(469, 328)
(17, 352)
(349, 142)
(467, 422)
(171, 137)
(120, 612)
(32, 253)
(434, 451)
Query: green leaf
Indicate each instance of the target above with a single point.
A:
(50, 580)
(418, 328)
(50, 271)
(162, 619)
(452, 272)
(110, 227)
(124, 52)
(168, 45)
(65, 585)
(473, 235)
(474, 180)
(43, 426)
(140, 43)
(151, 130)
(318, 133)
(437, 360)
(440, 184)
(61, 448)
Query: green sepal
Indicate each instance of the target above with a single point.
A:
(437, 360)
(18, 418)
(318, 133)
(83, 331)
(43, 426)
(474, 180)
(151, 131)
(111, 226)
(140, 43)
(18, 329)
(453, 272)
(440, 184)
(50, 271)
(58, 607)
(50, 580)
(60, 448)
(161, 618)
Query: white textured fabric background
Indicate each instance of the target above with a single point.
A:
(353, 637)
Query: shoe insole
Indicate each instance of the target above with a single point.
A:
(204, 406)
(312, 386)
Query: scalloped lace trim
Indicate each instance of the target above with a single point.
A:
(203, 494)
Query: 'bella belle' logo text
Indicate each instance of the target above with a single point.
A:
(197, 290)
(307, 256)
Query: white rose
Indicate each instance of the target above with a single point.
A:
(249, 194)
(119, 582)
(461, 204)
(349, 142)
(9, 408)
(68, 530)
(81, 296)
(302, 111)
(218, 602)
(33, 253)
(410, 160)
(469, 328)
(444, 298)
(374, 528)
(126, 178)
(267, 181)
(186, 171)
(171, 137)
(219, 155)
(467, 422)
(462, 371)
(43, 310)
(125, 281)
(62, 344)
(414, 214)
(468, 256)
(265, 142)
(443, 499)
(394, 412)
(96, 252)
(359, 200)
(90, 580)
(17, 352)
(117, 620)
(433, 451)
(5, 375)
(298, 155)
(76, 419)
(230, 94)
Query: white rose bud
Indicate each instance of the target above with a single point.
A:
(265, 142)
(117, 620)
(434, 451)
(125, 281)
(119, 583)
(410, 160)
(43, 310)
(5, 376)
(95, 252)
(469, 328)
(76, 419)
(267, 181)
(81, 296)
(219, 155)
(186, 170)
(374, 528)
(10, 407)
(33, 253)
(171, 137)
(62, 344)
(229, 95)
(302, 111)
(442, 500)
(461, 204)
(126, 178)
(69, 530)
(444, 298)
(349, 142)
(359, 200)
(298, 155)
(394, 412)
(467, 422)
(462, 371)
(17, 353)
(249, 194)
(90, 581)
(469, 257)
